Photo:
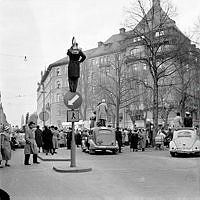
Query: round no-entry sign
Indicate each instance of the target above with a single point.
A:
(73, 100)
(44, 116)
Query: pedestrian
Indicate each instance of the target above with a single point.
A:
(102, 111)
(143, 139)
(76, 56)
(177, 122)
(55, 133)
(38, 137)
(93, 120)
(134, 140)
(78, 138)
(47, 140)
(188, 122)
(69, 138)
(168, 137)
(159, 139)
(30, 146)
(5, 145)
(118, 135)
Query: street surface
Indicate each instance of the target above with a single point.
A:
(147, 175)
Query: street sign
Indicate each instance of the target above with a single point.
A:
(44, 116)
(73, 100)
(72, 115)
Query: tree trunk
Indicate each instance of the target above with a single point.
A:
(155, 110)
(117, 112)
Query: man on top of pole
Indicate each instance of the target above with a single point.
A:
(76, 56)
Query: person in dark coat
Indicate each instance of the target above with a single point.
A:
(188, 120)
(76, 56)
(78, 138)
(134, 140)
(118, 135)
(47, 140)
(69, 138)
(38, 137)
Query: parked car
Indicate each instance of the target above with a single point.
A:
(185, 140)
(102, 138)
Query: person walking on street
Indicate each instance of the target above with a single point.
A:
(102, 111)
(134, 140)
(5, 145)
(47, 140)
(30, 146)
(143, 139)
(177, 122)
(55, 133)
(118, 135)
(69, 138)
(188, 122)
(38, 137)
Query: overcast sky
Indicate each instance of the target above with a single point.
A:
(42, 30)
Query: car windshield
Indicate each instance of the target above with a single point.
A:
(184, 134)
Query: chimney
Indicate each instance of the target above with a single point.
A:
(156, 3)
(100, 44)
(122, 30)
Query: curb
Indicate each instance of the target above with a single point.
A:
(72, 169)
(54, 159)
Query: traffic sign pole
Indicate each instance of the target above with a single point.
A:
(73, 148)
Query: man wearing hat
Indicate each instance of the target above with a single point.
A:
(188, 120)
(30, 146)
(102, 110)
(76, 56)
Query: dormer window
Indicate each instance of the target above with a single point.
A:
(58, 71)
(159, 33)
(58, 84)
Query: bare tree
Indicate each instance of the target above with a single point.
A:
(160, 42)
(118, 83)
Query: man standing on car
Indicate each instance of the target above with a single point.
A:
(188, 120)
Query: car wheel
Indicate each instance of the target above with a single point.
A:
(173, 154)
(114, 151)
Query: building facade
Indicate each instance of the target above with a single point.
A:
(118, 70)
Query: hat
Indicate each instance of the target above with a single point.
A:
(103, 101)
(6, 128)
(187, 113)
(31, 123)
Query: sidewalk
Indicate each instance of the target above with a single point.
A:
(63, 154)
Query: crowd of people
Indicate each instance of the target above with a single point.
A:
(47, 140)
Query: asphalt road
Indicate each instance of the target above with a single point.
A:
(147, 175)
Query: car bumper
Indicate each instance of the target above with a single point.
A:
(105, 148)
(185, 151)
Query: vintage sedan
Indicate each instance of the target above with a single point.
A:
(185, 140)
(102, 138)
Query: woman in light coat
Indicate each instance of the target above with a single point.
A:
(5, 145)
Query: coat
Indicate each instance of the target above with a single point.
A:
(143, 138)
(101, 111)
(30, 146)
(5, 146)
(118, 135)
(47, 139)
(134, 140)
(38, 137)
(188, 122)
(74, 62)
